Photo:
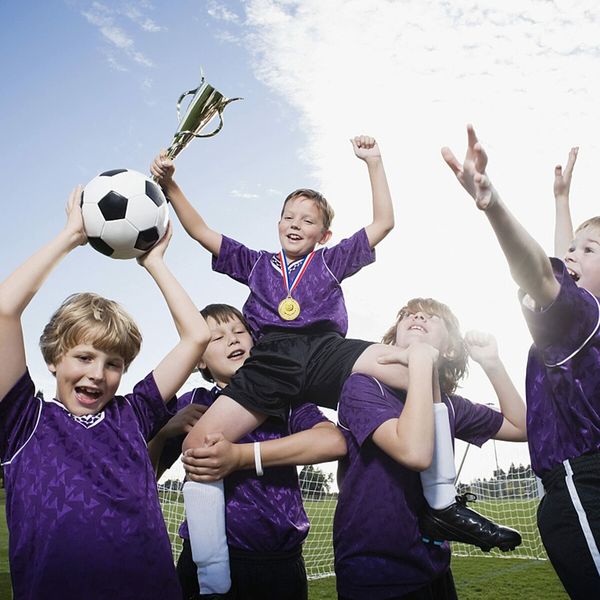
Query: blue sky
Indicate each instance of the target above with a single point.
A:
(91, 86)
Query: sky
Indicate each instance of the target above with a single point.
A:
(90, 86)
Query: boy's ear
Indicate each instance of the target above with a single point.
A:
(52, 369)
(325, 237)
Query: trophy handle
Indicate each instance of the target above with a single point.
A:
(188, 93)
(222, 106)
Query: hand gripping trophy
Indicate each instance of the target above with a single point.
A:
(124, 212)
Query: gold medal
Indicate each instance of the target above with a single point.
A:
(289, 309)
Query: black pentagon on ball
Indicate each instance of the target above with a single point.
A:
(146, 239)
(100, 245)
(113, 172)
(154, 192)
(113, 206)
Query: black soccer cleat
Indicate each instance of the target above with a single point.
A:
(459, 523)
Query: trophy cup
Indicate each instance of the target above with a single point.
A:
(205, 104)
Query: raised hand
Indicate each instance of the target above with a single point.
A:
(74, 225)
(157, 251)
(471, 173)
(163, 169)
(365, 147)
(562, 179)
(482, 347)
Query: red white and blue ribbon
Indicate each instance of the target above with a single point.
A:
(286, 274)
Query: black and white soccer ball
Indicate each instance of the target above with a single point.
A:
(124, 213)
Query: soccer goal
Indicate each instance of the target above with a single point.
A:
(508, 495)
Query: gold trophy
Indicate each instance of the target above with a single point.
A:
(205, 104)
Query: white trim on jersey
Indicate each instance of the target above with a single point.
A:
(583, 520)
(564, 360)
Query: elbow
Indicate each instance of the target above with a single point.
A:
(416, 460)
(338, 449)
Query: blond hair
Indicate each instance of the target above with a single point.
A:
(90, 318)
(323, 206)
(453, 365)
(592, 222)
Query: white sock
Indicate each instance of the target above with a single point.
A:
(438, 479)
(205, 512)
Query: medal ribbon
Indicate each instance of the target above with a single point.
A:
(285, 271)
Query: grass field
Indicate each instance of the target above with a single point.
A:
(477, 577)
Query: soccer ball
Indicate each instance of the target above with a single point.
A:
(124, 213)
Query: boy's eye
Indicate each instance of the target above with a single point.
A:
(217, 338)
(588, 249)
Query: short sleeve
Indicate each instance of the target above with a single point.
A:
(560, 330)
(19, 414)
(235, 260)
(305, 416)
(150, 409)
(364, 407)
(349, 256)
(474, 423)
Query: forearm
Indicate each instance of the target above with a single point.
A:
(187, 318)
(383, 210)
(529, 265)
(563, 226)
(511, 404)
(192, 221)
(155, 448)
(19, 288)
(415, 426)
(322, 443)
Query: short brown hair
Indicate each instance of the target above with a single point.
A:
(454, 365)
(592, 222)
(221, 313)
(90, 318)
(324, 207)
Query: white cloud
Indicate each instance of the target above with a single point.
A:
(413, 73)
(244, 195)
(106, 20)
(220, 12)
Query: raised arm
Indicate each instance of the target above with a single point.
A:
(324, 442)
(175, 368)
(529, 265)
(409, 438)
(21, 286)
(483, 349)
(163, 170)
(366, 149)
(563, 225)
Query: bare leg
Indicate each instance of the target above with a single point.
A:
(395, 375)
(205, 502)
(225, 416)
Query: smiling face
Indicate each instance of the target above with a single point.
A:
(421, 326)
(301, 227)
(87, 378)
(229, 347)
(583, 258)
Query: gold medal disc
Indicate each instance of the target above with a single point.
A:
(289, 309)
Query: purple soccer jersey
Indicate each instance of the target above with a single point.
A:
(81, 499)
(378, 549)
(263, 514)
(563, 376)
(318, 292)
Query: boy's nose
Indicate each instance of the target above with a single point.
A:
(96, 371)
